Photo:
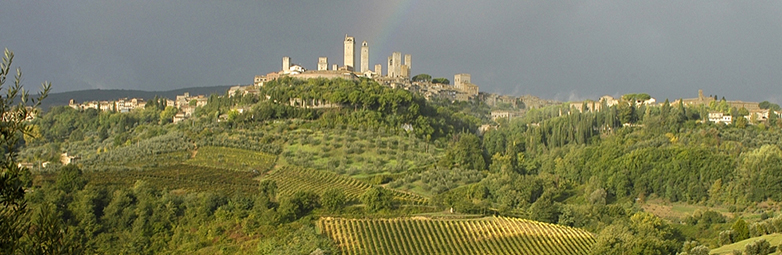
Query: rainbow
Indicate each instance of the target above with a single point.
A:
(380, 39)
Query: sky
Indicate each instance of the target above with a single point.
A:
(563, 50)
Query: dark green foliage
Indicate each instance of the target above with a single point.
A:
(422, 77)
(694, 248)
(298, 205)
(644, 234)
(377, 199)
(364, 103)
(268, 189)
(758, 247)
(741, 230)
(70, 179)
(760, 173)
(48, 234)
(544, 209)
(13, 126)
(767, 105)
(727, 237)
(465, 153)
(441, 80)
(705, 219)
(333, 199)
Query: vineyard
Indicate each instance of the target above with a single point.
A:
(418, 235)
(191, 178)
(232, 159)
(291, 179)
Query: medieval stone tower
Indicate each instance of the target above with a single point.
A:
(408, 61)
(390, 68)
(323, 63)
(286, 64)
(364, 56)
(460, 79)
(397, 57)
(349, 53)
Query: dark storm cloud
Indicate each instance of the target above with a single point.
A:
(553, 49)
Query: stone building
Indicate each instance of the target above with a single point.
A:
(364, 57)
(286, 64)
(323, 63)
(349, 53)
(462, 82)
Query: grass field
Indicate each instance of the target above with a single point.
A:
(773, 239)
(290, 179)
(232, 159)
(185, 177)
(676, 212)
(356, 153)
(421, 235)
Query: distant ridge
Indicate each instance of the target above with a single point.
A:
(58, 99)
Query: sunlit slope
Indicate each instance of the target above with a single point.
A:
(418, 235)
(291, 179)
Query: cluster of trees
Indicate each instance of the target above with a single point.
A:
(143, 219)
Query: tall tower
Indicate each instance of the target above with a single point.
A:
(364, 56)
(349, 53)
(397, 57)
(379, 70)
(408, 62)
(390, 72)
(286, 64)
(323, 63)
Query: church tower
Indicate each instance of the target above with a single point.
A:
(364, 57)
(349, 53)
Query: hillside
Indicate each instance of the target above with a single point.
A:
(62, 98)
(419, 235)
(254, 174)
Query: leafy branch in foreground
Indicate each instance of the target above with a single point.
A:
(13, 126)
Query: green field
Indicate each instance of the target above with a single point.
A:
(291, 179)
(773, 239)
(357, 153)
(420, 235)
(184, 177)
(232, 159)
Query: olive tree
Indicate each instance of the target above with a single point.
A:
(17, 108)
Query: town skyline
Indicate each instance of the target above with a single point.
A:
(561, 51)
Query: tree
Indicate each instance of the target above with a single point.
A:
(741, 230)
(70, 179)
(298, 205)
(758, 247)
(333, 199)
(377, 199)
(767, 105)
(466, 153)
(13, 125)
(441, 81)
(167, 115)
(422, 77)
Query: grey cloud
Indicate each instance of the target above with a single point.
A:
(563, 49)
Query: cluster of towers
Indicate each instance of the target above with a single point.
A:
(396, 67)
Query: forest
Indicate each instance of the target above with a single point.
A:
(226, 181)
